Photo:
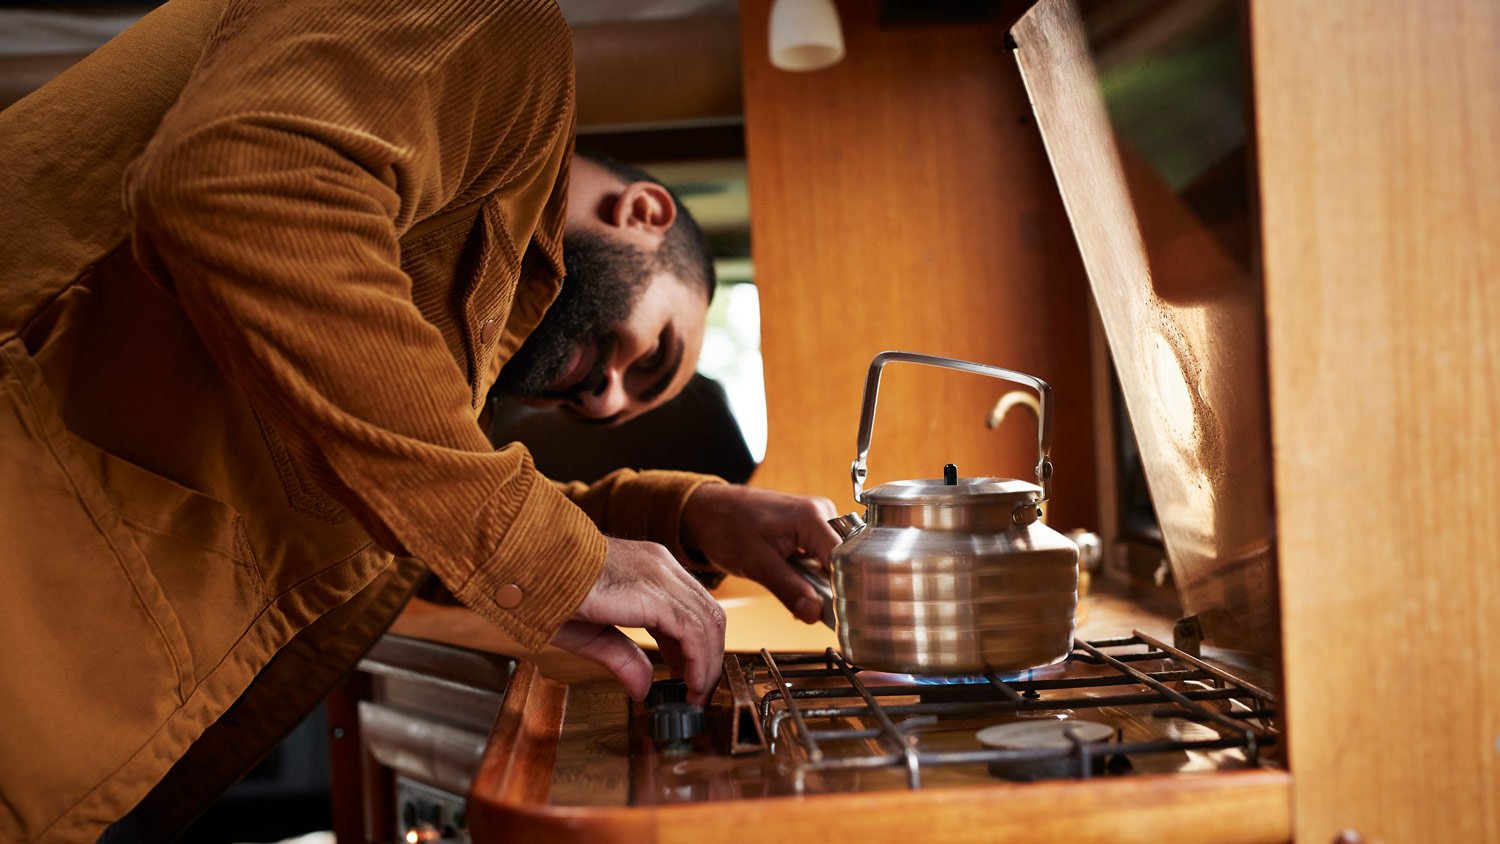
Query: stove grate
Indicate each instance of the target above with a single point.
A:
(795, 696)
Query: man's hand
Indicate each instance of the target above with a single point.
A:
(643, 586)
(752, 532)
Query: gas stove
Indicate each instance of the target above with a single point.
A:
(1128, 733)
(810, 724)
(801, 724)
(809, 741)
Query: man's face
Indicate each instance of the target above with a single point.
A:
(622, 338)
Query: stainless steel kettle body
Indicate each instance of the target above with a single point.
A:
(953, 575)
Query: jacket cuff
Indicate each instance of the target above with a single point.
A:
(549, 558)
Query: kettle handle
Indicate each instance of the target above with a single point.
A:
(858, 472)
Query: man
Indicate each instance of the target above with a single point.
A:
(228, 401)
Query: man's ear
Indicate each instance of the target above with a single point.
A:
(645, 208)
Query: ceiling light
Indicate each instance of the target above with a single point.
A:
(805, 35)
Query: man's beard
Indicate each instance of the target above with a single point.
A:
(604, 278)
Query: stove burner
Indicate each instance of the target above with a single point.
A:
(882, 677)
(1047, 748)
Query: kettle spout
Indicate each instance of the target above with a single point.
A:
(847, 525)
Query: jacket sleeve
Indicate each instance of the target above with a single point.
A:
(641, 505)
(271, 201)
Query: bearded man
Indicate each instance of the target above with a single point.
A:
(263, 261)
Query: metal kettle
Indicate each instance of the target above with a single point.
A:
(951, 575)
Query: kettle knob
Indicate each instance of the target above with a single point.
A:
(950, 474)
(847, 525)
(1026, 513)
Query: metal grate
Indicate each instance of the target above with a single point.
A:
(810, 702)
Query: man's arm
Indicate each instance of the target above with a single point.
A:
(736, 529)
(271, 201)
(642, 505)
(753, 532)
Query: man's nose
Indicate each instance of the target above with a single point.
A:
(608, 401)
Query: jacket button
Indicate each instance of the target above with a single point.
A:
(509, 596)
(487, 332)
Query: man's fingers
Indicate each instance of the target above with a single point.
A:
(696, 631)
(693, 625)
(814, 534)
(671, 653)
(648, 588)
(826, 508)
(776, 574)
(610, 648)
(710, 616)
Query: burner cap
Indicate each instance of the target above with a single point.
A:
(1044, 735)
(1031, 735)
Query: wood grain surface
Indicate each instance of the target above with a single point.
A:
(1379, 144)
(901, 200)
(1185, 325)
(656, 93)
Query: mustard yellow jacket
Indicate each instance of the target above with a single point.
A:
(261, 260)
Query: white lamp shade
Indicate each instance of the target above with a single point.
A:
(805, 34)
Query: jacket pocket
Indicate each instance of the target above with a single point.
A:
(490, 290)
(302, 493)
(463, 275)
(95, 659)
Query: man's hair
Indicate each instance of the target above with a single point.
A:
(684, 251)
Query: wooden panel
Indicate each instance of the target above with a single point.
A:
(349, 789)
(626, 80)
(1249, 807)
(1185, 325)
(1379, 144)
(1242, 808)
(901, 200)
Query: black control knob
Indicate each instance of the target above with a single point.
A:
(950, 475)
(674, 726)
(666, 691)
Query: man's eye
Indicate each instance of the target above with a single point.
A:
(655, 359)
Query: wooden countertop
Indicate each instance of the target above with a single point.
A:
(755, 620)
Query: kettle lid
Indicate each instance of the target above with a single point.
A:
(952, 490)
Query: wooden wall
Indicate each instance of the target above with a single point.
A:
(1379, 146)
(902, 200)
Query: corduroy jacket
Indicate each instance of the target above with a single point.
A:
(262, 260)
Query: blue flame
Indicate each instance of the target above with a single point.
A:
(881, 677)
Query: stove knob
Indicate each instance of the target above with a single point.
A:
(674, 726)
(666, 691)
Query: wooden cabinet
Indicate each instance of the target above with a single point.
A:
(901, 199)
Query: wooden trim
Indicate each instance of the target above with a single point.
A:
(509, 802)
(517, 765)
(656, 145)
(1378, 140)
(345, 759)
